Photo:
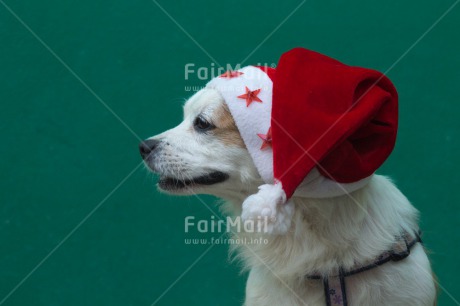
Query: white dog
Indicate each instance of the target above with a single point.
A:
(206, 155)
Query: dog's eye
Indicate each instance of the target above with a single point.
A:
(202, 124)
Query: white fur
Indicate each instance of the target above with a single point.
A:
(338, 231)
(346, 230)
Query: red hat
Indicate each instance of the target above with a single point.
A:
(315, 126)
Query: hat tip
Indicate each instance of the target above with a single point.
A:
(270, 209)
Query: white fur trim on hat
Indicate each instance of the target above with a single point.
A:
(253, 119)
(316, 185)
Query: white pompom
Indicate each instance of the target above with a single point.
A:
(268, 209)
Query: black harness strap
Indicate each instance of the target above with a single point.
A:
(334, 286)
(335, 291)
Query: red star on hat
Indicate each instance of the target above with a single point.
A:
(231, 74)
(250, 96)
(267, 139)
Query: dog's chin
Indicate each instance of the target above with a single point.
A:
(174, 185)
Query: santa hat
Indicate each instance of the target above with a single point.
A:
(314, 126)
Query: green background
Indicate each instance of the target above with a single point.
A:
(62, 151)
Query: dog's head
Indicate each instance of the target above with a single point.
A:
(203, 154)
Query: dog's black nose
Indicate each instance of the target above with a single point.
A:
(147, 147)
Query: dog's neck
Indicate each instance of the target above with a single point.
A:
(330, 232)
